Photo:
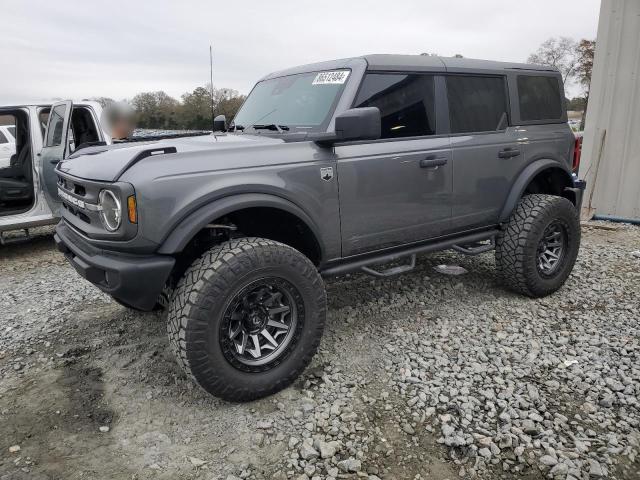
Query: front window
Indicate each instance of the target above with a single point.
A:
(300, 102)
(406, 103)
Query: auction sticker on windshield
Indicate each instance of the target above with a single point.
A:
(337, 77)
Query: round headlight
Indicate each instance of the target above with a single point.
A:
(110, 210)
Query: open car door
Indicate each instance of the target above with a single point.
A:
(55, 148)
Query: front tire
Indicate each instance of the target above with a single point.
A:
(536, 251)
(247, 317)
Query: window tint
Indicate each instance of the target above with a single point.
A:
(539, 98)
(476, 104)
(406, 103)
(3, 139)
(55, 133)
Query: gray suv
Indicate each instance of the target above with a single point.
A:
(335, 167)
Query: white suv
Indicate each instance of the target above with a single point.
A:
(7, 144)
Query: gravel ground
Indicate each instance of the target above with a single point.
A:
(422, 376)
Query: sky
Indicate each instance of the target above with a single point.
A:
(80, 49)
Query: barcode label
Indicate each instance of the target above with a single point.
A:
(337, 77)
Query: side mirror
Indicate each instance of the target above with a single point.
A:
(355, 124)
(220, 124)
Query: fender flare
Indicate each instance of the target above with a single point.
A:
(182, 234)
(523, 180)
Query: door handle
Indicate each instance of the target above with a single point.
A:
(54, 162)
(433, 161)
(508, 153)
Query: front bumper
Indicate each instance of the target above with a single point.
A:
(133, 279)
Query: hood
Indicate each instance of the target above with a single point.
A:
(108, 163)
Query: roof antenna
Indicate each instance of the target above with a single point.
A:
(211, 92)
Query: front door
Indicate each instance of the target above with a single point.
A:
(56, 148)
(396, 190)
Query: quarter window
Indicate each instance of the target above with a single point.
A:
(406, 103)
(476, 103)
(3, 139)
(539, 98)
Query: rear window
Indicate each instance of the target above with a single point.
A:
(12, 131)
(476, 103)
(406, 103)
(539, 98)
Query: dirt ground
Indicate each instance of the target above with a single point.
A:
(89, 389)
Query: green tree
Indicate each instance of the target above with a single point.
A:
(196, 106)
(196, 110)
(156, 110)
(577, 104)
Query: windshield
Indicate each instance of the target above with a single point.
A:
(298, 102)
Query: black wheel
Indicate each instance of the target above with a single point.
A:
(247, 317)
(536, 251)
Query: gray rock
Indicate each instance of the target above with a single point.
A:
(408, 429)
(607, 401)
(596, 469)
(327, 449)
(613, 384)
(484, 452)
(548, 460)
(560, 469)
(306, 451)
(350, 465)
(529, 427)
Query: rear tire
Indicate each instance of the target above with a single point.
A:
(536, 251)
(246, 318)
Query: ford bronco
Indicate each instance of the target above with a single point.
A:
(335, 167)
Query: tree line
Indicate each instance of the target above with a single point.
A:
(158, 110)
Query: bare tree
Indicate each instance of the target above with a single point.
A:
(559, 52)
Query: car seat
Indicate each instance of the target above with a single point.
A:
(16, 181)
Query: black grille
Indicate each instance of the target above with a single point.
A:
(71, 187)
(76, 212)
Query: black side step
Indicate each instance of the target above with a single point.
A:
(389, 272)
(476, 248)
(363, 263)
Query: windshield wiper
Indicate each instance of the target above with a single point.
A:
(271, 126)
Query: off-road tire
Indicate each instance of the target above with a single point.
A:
(204, 293)
(517, 244)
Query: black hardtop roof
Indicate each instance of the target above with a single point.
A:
(417, 63)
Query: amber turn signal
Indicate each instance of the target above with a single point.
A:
(132, 209)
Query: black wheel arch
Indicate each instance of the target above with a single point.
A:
(529, 175)
(193, 223)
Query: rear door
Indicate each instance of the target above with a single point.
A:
(396, 190)
(487, 152)
(55, 148)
